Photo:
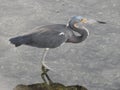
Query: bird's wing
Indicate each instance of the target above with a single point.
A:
(48, 39)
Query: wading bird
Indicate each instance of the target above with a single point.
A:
(52, 36)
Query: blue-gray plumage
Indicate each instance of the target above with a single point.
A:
(45, 37)
(52, 36)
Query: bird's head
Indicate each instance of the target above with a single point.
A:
(78, 21)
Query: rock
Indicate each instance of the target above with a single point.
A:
(44, 86)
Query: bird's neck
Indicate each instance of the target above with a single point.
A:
(83, 33)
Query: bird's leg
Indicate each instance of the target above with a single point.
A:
(43, 78)
(49, 80)
(43, 68)
(47, 77)
(44, 72)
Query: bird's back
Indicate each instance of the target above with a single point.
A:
(49, 36)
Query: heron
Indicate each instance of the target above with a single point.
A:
(53, 36)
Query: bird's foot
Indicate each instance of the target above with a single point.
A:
(45, 76)
(44, 69)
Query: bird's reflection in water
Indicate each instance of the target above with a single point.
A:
(49, 85)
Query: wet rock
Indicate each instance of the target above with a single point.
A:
(45, 86)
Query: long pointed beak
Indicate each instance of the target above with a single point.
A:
(91, 21)
(101, 22)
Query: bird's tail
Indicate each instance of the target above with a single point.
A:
(17, 41)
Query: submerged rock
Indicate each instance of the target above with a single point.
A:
(45, 86)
